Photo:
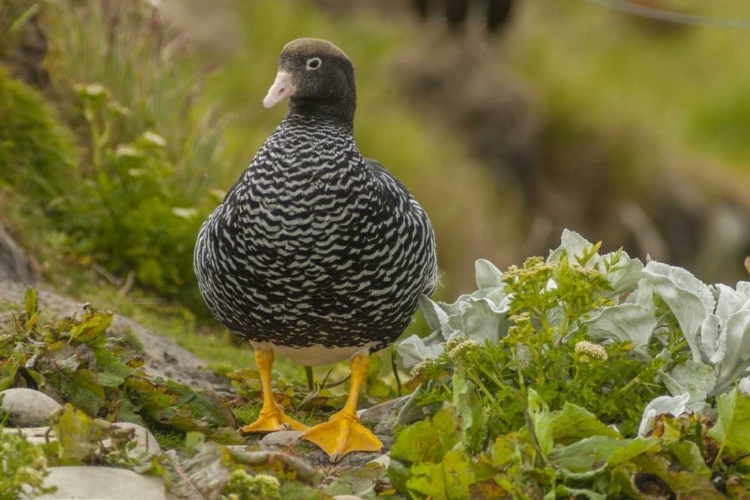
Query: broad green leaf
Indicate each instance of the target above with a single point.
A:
(579, 493)
(594, 453)
(625, 322)
(684, 484)
(109, 379)
(398, 474)
(109, 361)
(91, 327)
(541, 419)
(429, 440)
(633, 448)
(76, 432)
(206, 407)
(82, 390)
(573, 423)
(359, 482)
(732, 429)
(688, 454)
(450, 479)
(488, 276)
(503, 451)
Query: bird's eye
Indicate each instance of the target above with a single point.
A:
(314, 63)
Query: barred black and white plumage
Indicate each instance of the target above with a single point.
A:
(316, 251)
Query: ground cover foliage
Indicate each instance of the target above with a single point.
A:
(576, 376)
(581, 375)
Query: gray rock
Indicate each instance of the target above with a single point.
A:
(14, 264)
(27, 407)
(89, 483)
(146, 447)
(383, 460)
(34, 435)
(376, 414)
(280, 439)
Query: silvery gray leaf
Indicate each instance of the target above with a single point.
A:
(689, 299)
(481, 320)
(735, 338)
(685, 280)
(744, 386)
(488, 276)
(731, 301)
(573, 244)
(625, 278)
(413, 350)
(626, 322)
(695, 379)
(710, 339)
(674, 405)
(437, 319)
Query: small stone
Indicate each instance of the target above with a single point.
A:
(147, 445)
(280, 439)
(34, 435)
(375, 414)
(27, 407)
(89, 483)
(383, 460)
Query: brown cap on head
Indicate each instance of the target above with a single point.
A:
(311, 47)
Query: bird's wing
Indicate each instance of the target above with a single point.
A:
(418, 217)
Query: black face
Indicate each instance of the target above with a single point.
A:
(323, 78)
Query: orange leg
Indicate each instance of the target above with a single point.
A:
(343, 433)
(272, 417)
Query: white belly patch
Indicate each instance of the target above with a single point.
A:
(314, 355)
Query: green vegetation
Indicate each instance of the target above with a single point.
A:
(76, 361)
(37, 153)
(678, 86)
(23, 466)
(559, 378)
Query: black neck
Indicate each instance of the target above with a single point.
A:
(339, 112)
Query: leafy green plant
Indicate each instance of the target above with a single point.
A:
(37, 153)
(555, 379)
(75, 361)
(23, 466)
(569, 453)
(528, 328)
(133, 201)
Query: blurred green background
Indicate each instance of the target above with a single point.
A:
(122, 123)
